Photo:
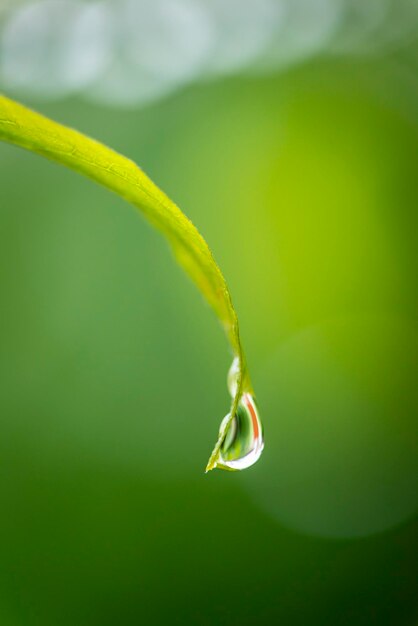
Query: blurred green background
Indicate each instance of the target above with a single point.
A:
(303, 179)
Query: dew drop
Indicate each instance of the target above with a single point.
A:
(232, 380)
(244, 440)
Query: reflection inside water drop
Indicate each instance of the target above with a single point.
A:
(244, 441)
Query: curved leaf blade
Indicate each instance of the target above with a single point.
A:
(32, 131)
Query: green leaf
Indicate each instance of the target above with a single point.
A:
(30, 130)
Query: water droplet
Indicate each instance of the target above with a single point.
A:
(232, 379)
(244, 440)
